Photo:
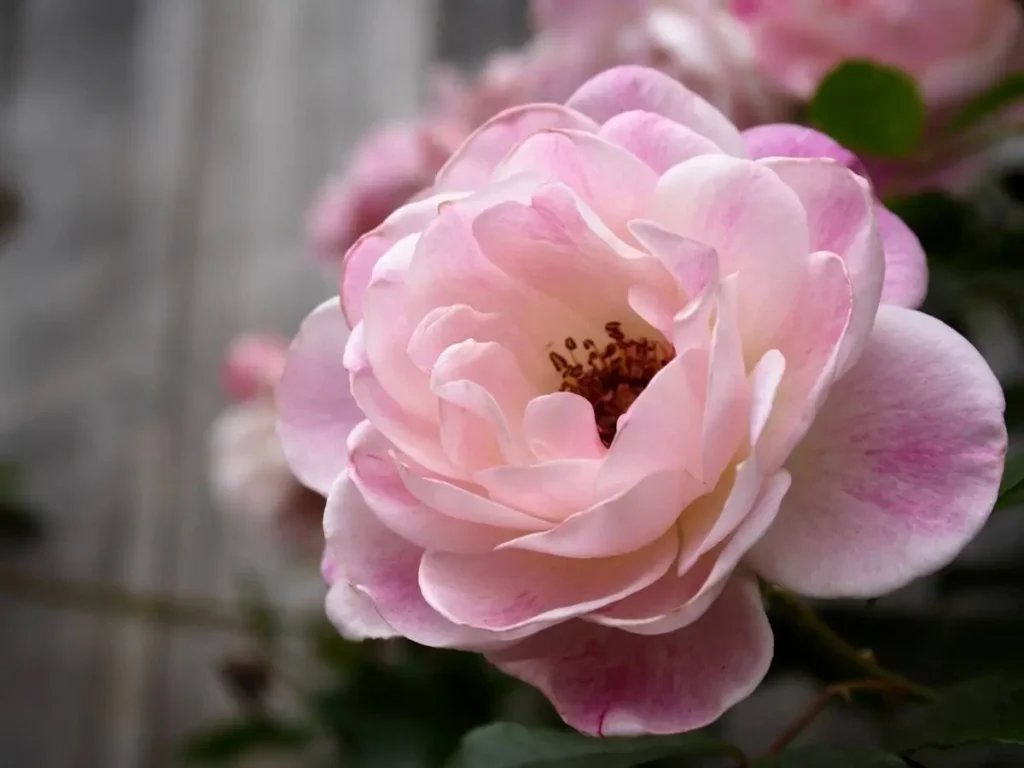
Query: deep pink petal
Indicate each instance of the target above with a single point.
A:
(788, 140)
(607, 682)
(899, 470)
(316, 410)
(473, 163)
(631, 88)
(514, 588)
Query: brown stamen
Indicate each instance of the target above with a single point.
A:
(612, 377)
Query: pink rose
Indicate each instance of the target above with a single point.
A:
(620, 361)
(249, 475)
(953, 48)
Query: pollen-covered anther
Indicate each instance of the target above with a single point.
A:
(610, 376)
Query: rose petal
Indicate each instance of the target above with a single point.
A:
(906, 267)
(473, 163)
(754, 221)
(630, 88)
(551, 490)
(562, 426)
(899, 470)
(354, 614)
(658, 141)
(384, 567)
(787, 140)
(316, 410)
(607, 682)
(513, 588)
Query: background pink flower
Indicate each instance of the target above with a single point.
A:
(618, 361)
(249, 475)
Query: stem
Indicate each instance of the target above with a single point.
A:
(817, 706)
(861, 660)
(96, 597)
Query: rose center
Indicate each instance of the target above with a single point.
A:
(610, 376)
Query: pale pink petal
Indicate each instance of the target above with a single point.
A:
(661, 429)
(840, 217)
(562, 426)
(569, 16)
(473, 163)
(352, 611)
(652, 507)
(551, 490)
(359, 263)
(607, 682)
(385, 567)
(906, 268)
(610, 180)
(392, 495)
(754, 221)
(899, 470)
(514, 588)
(631, 88)
(810, 341)
(765, 380)
(316, 410)
(485, 381)
(657, 140)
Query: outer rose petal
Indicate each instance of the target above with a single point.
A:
(353, 613)
(658, 141)
(629, 88)
(314, 400)
(899, 470)
(787, 140)
(906, 268)
(357, 267)
(384, 567)
(608, 682)
(472, 164)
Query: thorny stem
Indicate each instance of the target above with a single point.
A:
(861, 660)
(97, 597)
(817, 706)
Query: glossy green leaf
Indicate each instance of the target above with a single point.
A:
(506, 745)
(869, 107)
(828, 757)
(989, 709)
(233, 740)
(1004, 93)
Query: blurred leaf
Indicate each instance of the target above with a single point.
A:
(1000, 95)
(989, 709)
(232, 740)
(827, 757)
(1011, 489)
(506, 745)
(19, 525)
(869, 107)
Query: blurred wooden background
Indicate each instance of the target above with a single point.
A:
(165, 151)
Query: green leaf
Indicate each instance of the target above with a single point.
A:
(827, 757)
(231, 740)
(869, 107)
(506, 745)
(989, 709)
(1011, 489)
(1000, 95)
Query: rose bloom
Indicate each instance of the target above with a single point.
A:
(954, 49)
(249, 475)
(621, 361)
(696, 41)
